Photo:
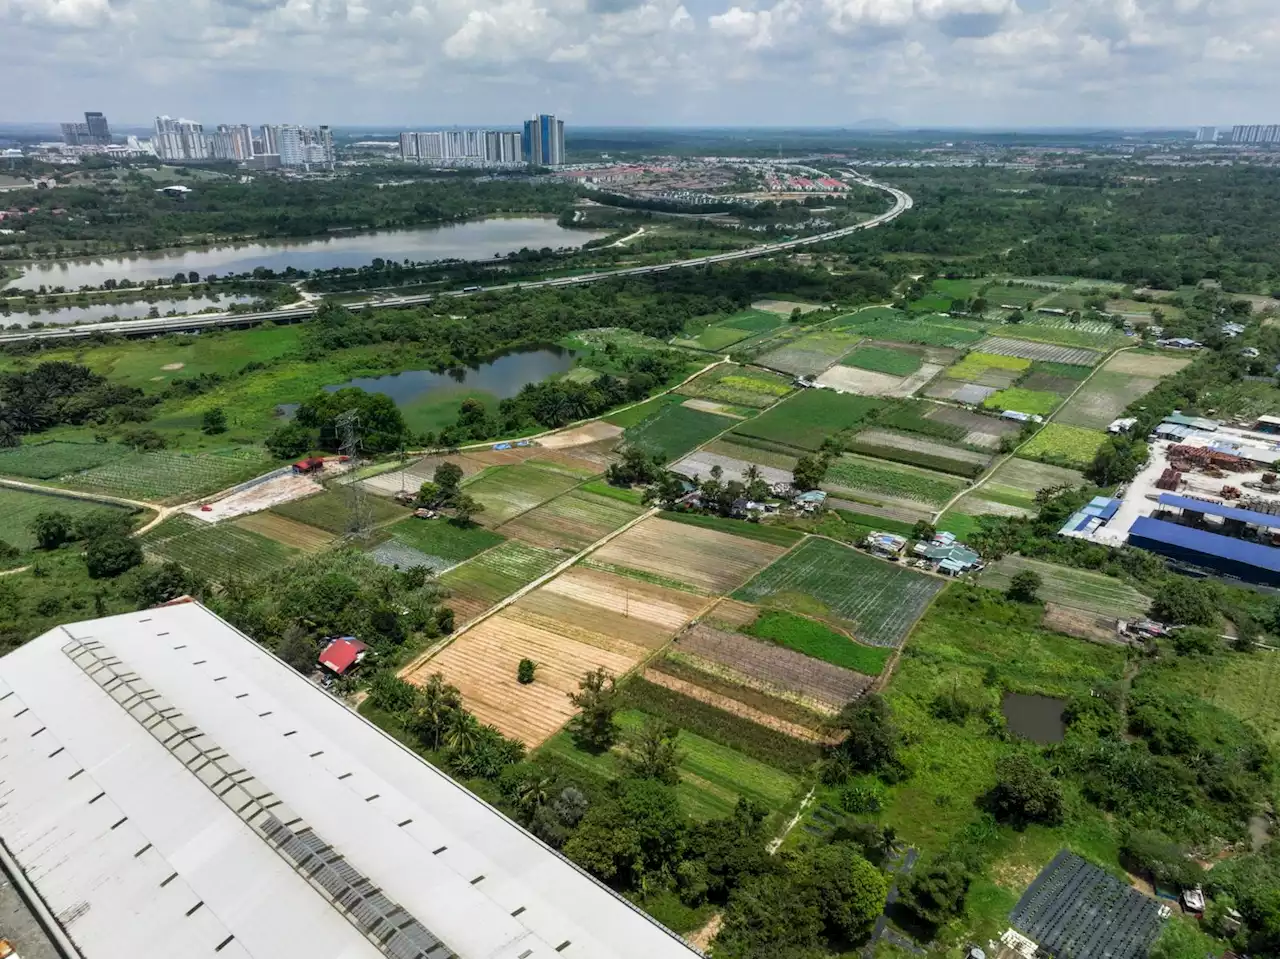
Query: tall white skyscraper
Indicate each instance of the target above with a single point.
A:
(1207, 135)
(461, 148)
(180, 140)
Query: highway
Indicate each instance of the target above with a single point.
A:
(187, 324)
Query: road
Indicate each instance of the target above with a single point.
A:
(185, 324)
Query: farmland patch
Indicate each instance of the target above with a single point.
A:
(18, 508)
(331, 510)
(919, 451)
(934, 329)
(785, 307)
(285, 531)
(447, 542)
(984, 431)
(1104, 398)
(54, 458)
(847, 379)
(958, 391)
(857, 473)
(731, 705)
(765, 697)
(877, 601)
(571, 522)
(169, 476)
(1023, 401)
(989, 369)
(811, 354)
(1076, 588)
(217, 553)
(1017, 481)
(701, 463)
(880, 359)
(728, 383)
(492, 576)
(1070, 446)
(675, 430)
(758, 454)
(1038, 351)
(808, 418)
(508, 491)
(818, 640)
(1139, 363)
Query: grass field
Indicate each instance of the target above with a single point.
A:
(808, 418)
(1142, 363)
(507, 491)
(479, 583)
(728, 383)
(811, 354)
(637, 414)
(732, 329)
(18, 508)
(218, 553)
(1105, 398)
(443, 539)
(819, 641)
(331, 510)
(166, 476)
(878, 602)
(572, 521)
(876, 476)
(934, 329)
(712, 776)
(1077, 588)
(961, 289)
(976, 367)
(777, 535)
(675, 430)
(1248, 686)
(52, 459)
(1017, 481)
(881, 359)
(1063, 445)
(1024, 401)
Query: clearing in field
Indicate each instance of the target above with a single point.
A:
(811, 354)
(989, 369)
(785, 307)
(1062, 445)
(571, 522)
(700, 464)
(331, 511)
(581, 436)
(217, 553)
(857, 474)
(808, 418)
(1017, 481)
(729, 383)
(412, 476)
(260, 496)
(878, 602)
(1023, 401)
(848, 379)
(167, 476)
(1138, 363)
(494, 575)
(775, 458)
(447, 543)
(984, 431)
(54, 458)
(1038, 351)
(1077, 588)
(705, 559)
(508, 491)
(285, 531)
(18, 508)
(919, 451)
(675, 430)
(1104, 398)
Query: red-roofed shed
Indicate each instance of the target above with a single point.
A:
(342, 654)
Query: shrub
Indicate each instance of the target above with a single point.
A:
(109, 556)
(525, 671)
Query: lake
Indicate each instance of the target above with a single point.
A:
(474, 240)
(137, 310)
(1037, 718)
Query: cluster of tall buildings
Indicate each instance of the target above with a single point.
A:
(540, 144)
(93, 132)
(1256, 133)
(282, 145)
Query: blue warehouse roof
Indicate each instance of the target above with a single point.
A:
(1174, 501)
(1207, 544)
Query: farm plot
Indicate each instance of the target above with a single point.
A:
(1060, 332)
(170, 476)
(810, 354)
(675, 430)
(858, 474)
(883, 359)
(1017, 297)
(508, 491)
(808, 418)
(733, 329)
(286, 532)
(1140, 363)
(217, 553)
(847, 379)
(706, 559)
(397, 555)
(877, 601)
(984, 431)
(1104, 398)
(446, 542)
(1023, 401)
(774, 458)
(18, 508)
(819, 640)
(918, 451)
(1017, 481)
(1076, 588)
(331, 510)
(785, 307)
(492, 576)
(1070, 446)
(1002, 346)
(588, 434)
(958, 391)
(773, 665)
(739, 386)
(700, 465)
(571, 522)
(989, 369)
(421, 471)
(935, 329)
(55, 458)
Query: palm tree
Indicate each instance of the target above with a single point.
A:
(532, 793)
(437, 701)
(461, 733)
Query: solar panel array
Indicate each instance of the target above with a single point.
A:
(1074, 910)
(389, 926)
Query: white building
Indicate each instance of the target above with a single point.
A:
(180, 140)
(461, 148)
(170, 789)
(300, 146)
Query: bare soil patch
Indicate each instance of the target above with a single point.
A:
(701, 463)
(784, 307)
(171, 367)
(1079, 623)
(707, 406)
(733, 613)
(1146, 364)
(581, 435)
(273, 492)
(850, 379)
(921, 445)
(287, 531)
(918, 379)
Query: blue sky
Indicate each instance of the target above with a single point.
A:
(646, 62)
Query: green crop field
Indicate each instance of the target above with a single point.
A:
(52, 459)
(713, 338)
(1024, 401)
(712, 776)
(931, 303)
(443, 539)
(880, 359)
(875, 476)
(572, 521)
(1020, 296)
(1017, 481)
(1105, 398)
(811, 354)
(166, 476)
(496, 574)
(923, 329)
(1065, 334)
(19, 507)
(819, 641)
(976, 365)
(777, 535)
(676, 430)
(331, 510)
(642, 411)
(877, 601)
(1061, 445)
(218, 552)
(1077, 588)
(508, 491)
(754, 321)
(728, 383)
(957, 289)
(809, 417)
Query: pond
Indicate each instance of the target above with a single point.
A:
(136, 310)
(474, 240)
(1037, 718)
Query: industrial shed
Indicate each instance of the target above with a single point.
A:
(170, 789)
(1251, 562)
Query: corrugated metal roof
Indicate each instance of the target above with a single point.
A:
(1210, 544)
(1198, 422)
(130, 840)
(1174, 501)
(1174, 430)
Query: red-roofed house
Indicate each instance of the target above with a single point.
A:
(340, 655)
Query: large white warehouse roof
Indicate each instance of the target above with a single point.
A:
(172, 790)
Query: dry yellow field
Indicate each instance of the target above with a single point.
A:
(287, 531)
(706, 559)
(1146, 364)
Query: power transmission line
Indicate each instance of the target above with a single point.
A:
(359, 512)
